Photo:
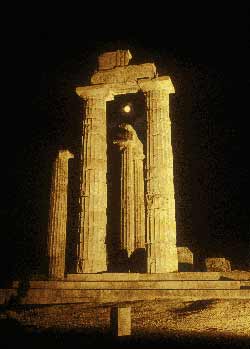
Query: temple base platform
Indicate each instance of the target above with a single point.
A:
(127, 287)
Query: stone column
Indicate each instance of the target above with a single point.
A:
(93, 191)
(127, 198)
(140, 229)
(132, 190)
(58, 216)
(160, 202)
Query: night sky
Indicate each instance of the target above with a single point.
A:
(206, 54)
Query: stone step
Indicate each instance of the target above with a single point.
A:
(142, 277)
(124, 285)
(60, 296)
(238, 275)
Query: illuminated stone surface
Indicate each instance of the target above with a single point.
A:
(132, 191)
(92, 256)
(117, 287)
(58, 215)
(217, 264)
(110, 60)
(161, 226)
(123, 75)
(185, 255)
(185, 259)
(161, 282)
(120, 319)
(114, 79)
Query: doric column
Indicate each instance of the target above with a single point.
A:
(127, 199)
(160, 202)
(58, 215)
(132, 190)
(140, 231)
(93, 191)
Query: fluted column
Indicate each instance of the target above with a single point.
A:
(139, 195)
(160, 202)
(58, 215)
(132, 234)
(93, 191)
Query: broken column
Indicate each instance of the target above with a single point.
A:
(160, 202)
(58, 215)
(185, 259)
(217, 264)
(92, 253)
(132, 190)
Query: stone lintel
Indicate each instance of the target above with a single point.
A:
(108, 91)
(100, 91)
(121, 89)
(124, 74)
(158, 83)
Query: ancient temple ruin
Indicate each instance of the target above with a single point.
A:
(126, 202)
(125, 246)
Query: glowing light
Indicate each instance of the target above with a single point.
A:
(127, 108)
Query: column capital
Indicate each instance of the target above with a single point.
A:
(100, 91)
(162, 83)
(65, 154)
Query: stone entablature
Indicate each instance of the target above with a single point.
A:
(108, 91)
(124, 74)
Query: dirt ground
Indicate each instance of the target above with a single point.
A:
(169, 323)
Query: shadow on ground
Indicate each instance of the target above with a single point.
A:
(195, 307)
(12, 332)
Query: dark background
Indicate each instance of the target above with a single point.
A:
(205, 51)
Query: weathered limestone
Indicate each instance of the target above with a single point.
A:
(124, 74)
(113, 68)
(93, 191)
(140, 228)
(110, 60)
(58, 215)
(185, 255)
(185, 259)
(160, 205)
(71, 296)
(120, 321)
(132, 190)
(113, 78)
(217, 264)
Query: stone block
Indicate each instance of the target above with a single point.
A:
(217, 264)
(110, 60)
(147, 277)
(185, 255)
(124, 74)
(120, 321)
(185, 259)
(227, 289)
(129, 285)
